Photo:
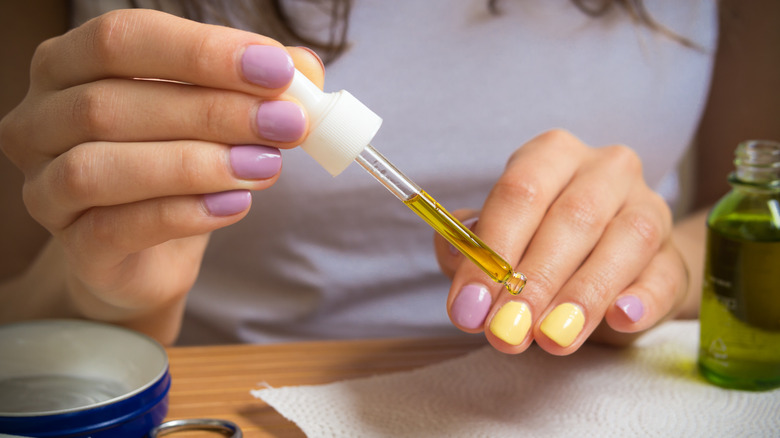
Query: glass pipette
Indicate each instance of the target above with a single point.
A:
(341, 129)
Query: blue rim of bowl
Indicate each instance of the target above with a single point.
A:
(99, 416)
(94, 420)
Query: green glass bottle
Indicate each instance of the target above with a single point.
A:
(740, 310)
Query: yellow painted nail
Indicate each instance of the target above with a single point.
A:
(564, 323)
(511, 322)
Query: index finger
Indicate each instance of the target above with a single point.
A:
(533, 178)
(152, 44)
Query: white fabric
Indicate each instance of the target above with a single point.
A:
(459, 90)
(650, 390)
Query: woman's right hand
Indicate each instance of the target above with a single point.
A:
(140, 134)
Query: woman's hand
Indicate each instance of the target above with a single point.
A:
(140, 134)
(593, 239)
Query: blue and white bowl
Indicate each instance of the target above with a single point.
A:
(72, 378)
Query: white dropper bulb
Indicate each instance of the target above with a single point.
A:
(340, 126)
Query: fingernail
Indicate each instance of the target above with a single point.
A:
(471, 306)
(314, 55)
(564, 324)
(255, 162)
(227, 203)
(631, 306)
(267, 66)
(512, 322)
(280, 120)
(468, 223)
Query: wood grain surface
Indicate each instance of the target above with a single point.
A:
(214, 381)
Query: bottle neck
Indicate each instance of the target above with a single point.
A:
(757, 164)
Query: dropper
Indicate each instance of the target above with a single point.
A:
(340, 131)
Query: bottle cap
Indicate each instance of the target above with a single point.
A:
(340, 126)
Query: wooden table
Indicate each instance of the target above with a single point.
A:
(214, 381)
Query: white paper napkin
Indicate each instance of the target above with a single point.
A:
(651, 389)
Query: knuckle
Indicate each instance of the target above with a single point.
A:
(581, 212)
(514, 157)
(561, 140)
(646, 231)
(542, 277)
(189, 166)
(212, 117)
(93, 109)
(73, 174)
(17, 139)
(166, 216)
(525, 190)
(33, 202)
(100, 226)
(208, 51)
(41, 64)
(598, 286)
(558, 136)
(623, 157)
(107, 37)
(41, 55)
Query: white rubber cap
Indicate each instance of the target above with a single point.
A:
(340, 126)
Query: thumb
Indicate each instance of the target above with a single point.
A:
(308, 63)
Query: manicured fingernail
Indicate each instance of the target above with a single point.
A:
(512, 322)
(468, 223)
(471, 306)
(564, 323)
(227, 203)
(280, 120)
(631, 306)
(314, 55)
(267, 66)
(255, 162)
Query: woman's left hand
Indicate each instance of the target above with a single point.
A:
(592, 238)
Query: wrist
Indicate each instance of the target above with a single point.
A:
(162, 322)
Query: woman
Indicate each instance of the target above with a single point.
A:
(131, 176)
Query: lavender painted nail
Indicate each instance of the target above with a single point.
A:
(471, 306)
(267, 66)
(280, 120)
(631, 306)
(255, 161)
(227, 203)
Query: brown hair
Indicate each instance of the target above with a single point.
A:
(636, 10)
(274, 18)
(324, 28)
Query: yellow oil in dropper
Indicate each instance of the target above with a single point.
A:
(466, 242)
(341, 129)
(441, 220)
